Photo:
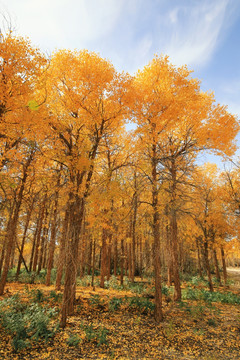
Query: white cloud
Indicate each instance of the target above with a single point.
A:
(195, 30)
(63, 23)
(173, 15)
(128, 32)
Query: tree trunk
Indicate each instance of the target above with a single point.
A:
(38, 236)
(169, 258)
(129, 245)
(12, 227)
(2, 256)
(115, 255)
(83, 252)
(216, 266)
(134, 220)
(13, 255)
(207, 265)
(51, 247)
(224, 267)
(44, 242)
(174, 236)
(34, 241)
(76, 211)
(93, 262)
(109, 255)
(20, 259)
(158, 314)
(199, 259)
(126, 258)
(122, 262)
(174, 250)
(61, 258)
(141, 257)
(157, 268)
(89, 263)
(103, 258)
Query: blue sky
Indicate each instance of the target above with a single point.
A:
(203, 34)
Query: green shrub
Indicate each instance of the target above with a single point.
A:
(98, 335)
(26, 323)
(197, 311)
(40, 277)
(142, 304)
(197, 280)
(96, 301)
(135, 287)
(90, 332)
(102, 336)
(73, 340)
(85, 281)
(115, 303)
(211, 322)
(190, 294)
(53, 276)
(113, 283)
(25, 277)
(165, 290)
(11, 274)
(55, 296)
(208, 296)
(36, 295)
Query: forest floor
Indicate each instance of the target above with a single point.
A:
(119, 324)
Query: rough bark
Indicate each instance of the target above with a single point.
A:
(52, 242)
(134, 220)
(141, 257)
(122, 262)
(169, 258)
(20, 259)
(158, 314)
(12, 226)
(115, 254)
(174, 236)
(216, 266)
(93, 262)
(174, 251)
(2, 256)
(34, 241)
(44, 243)
(103, 258)
(76, 211)
(224, 267)
(38, 235)
(89, 262)
(61, 258)
(207, 265)
(109, 255)
(199, 258)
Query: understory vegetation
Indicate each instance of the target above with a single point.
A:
(114, 243)
(118, 322)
